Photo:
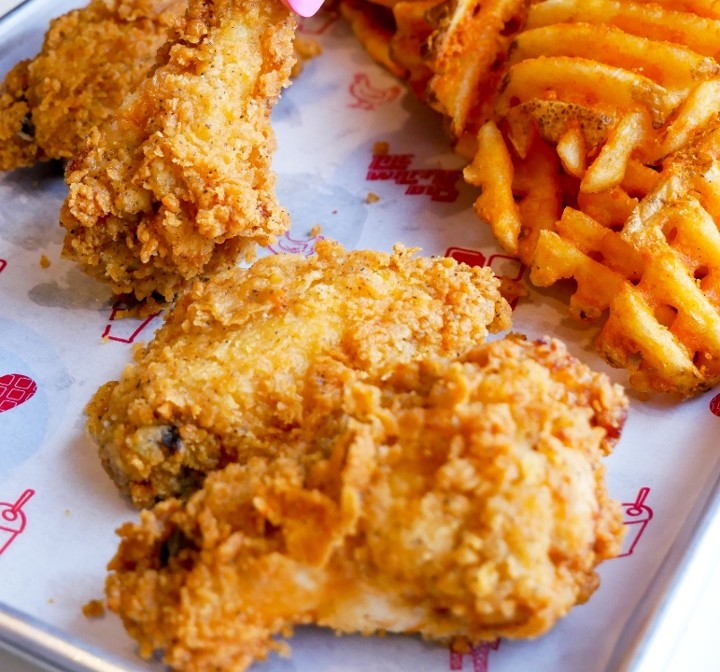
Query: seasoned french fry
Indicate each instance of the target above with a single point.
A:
(650, 20)
(492, 170)
(700, 107)
(608, 169)
(572, 151)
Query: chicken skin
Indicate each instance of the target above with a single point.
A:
(461, 499)
(178, 182)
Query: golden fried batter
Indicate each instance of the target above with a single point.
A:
(458, 499)
(178, 182)
(226, 373)
(90, 60)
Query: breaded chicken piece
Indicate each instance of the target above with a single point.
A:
(178, 183)
(459, 499)
(225, 375)
(90, 60)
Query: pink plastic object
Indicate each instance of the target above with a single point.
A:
(304, 8)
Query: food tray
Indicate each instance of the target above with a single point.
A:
(59, 341)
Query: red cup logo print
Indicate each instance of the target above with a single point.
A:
(15, 390)
(12, 519)
(127, 329)
(637, 515)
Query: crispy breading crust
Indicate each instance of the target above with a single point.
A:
(226, 372)
(179, 183)
(90, 60)
(458, 499)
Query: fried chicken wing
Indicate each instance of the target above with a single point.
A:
(458, 499)
(178, 182)
(90, 60)
(226, 372)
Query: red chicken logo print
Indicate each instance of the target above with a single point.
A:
(124, 330)
(368, 96)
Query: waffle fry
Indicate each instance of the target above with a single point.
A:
(372, 26)
(408, 45)
(467, 52)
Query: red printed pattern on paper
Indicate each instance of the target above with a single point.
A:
(369, 96)
(439, 184)
(116, 325)
(715, 405)
(15, 389)
(12, 519)
(480, 656)
(295, 246)
(3, 264)
(637, 517)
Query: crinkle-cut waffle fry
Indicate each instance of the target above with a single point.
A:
(673, 66)
(584, 82)
(372, 26)
(646, 19)
(395, 35)
(467, 51)
(414, 23)
(451, 53)
(493, 169)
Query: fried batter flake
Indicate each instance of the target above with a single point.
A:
(225, 375)
(456, 499)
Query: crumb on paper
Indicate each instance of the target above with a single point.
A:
(381, 148)
(94, 609)
(316, 230)
(44, 261)
(51, 600)
(68, 512)
(372, 197)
